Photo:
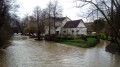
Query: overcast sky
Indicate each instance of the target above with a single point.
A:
(27, 6)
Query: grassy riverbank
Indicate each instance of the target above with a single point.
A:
(91, 42)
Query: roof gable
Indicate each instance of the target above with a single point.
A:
(81, 24)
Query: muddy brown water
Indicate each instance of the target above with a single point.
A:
(26, 52)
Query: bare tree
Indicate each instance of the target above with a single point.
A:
(37, 16)
(40, 16)
(98, 26)
(53, 11)
(6, 8)
(109, 10)
(49, 8)
(56, 11)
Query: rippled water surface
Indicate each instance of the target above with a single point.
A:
(25, 52)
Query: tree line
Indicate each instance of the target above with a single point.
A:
(7, 8)
(40, 20)
(109, 11)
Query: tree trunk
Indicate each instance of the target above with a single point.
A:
(38, 35)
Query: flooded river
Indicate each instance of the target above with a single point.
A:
(25, 52)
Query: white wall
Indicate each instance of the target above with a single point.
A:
(76, 31)
(46, 30)
(81, 24)
(61, 24)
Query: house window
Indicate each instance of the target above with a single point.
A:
(77, 31)
(57, 32)
(72, 31)
(64, 31)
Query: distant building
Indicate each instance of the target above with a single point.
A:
(75, 27)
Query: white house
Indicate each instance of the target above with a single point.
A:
(59, 23)
(76, 27)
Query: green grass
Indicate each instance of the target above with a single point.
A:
(81, 43)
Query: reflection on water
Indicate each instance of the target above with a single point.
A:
(25, 52)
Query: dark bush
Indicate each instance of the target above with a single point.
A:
(5, 35)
